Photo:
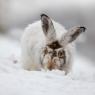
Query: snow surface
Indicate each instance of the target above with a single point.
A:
(16, 81)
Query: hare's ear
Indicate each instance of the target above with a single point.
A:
(48, 28)
(72, 35)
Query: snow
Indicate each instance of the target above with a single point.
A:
(16, 81)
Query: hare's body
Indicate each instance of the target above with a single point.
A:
(33, 41)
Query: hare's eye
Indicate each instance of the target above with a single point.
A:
(45, 51)
(60, 54)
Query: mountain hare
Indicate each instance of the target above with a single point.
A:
(47, 45)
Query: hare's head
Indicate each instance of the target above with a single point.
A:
(54, 54)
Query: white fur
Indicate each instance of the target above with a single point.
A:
(33, 40)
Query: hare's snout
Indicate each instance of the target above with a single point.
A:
(50, 65)
(53, 63)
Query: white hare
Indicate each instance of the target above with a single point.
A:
(47, 45)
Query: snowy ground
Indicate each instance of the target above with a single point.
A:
(16, 81)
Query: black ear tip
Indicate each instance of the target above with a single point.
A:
(43, 15)
(83, 28)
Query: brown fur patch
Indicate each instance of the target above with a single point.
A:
(54, 45)
(50, 65)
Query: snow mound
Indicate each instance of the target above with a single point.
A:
(16, 81)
